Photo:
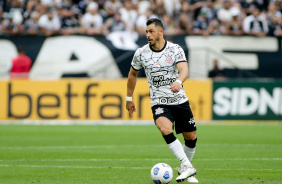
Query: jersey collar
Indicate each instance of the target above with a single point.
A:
(158, 50)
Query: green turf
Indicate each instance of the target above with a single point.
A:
(100, 154)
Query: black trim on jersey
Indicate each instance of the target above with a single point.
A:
(181, 61)
(134, 68)
(158, 50)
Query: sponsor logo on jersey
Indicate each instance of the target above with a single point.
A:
(159, 81)
(166, 100)
(153, 74)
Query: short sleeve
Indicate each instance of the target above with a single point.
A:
(180, 55)
(136, 61)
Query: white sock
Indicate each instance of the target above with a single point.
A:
(177, 150)
(189, 152)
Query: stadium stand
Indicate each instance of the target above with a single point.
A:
(180, 16)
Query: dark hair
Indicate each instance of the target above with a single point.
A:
(21, 49)
(256, 7)
(155, 21)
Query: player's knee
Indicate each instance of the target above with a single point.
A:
(165, 130)
(189, 135)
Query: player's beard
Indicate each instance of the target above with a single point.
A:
(154, 41)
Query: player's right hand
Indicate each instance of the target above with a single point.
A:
(130, 106)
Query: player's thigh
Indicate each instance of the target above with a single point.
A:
(189, 135)
(164, 125)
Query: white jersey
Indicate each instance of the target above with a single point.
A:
(161, 72)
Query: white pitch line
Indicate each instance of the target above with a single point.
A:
(129, 146)
(231, 159)
(78, 167)
(108, 167)
(240, 169)
(146, 159)
(80, 147)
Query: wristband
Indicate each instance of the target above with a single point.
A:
(129, 99)
(179, 81)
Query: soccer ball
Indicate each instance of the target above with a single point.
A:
(161, 173)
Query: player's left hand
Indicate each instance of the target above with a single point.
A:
(175, 87)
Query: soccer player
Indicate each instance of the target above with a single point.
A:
(166, 69)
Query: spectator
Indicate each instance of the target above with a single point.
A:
(141, 21)
(1, 14)
(82, 5)
(41, 9)
(143, 6)
(112, 7)
(92, 21)
(12, 17)
(51, 3)
(261, 4)
(31, 26)
(31, 6)
(255, 24)
(217, 4)
(216, 73)
(169, 25)
(171, 6)
(209, 10)
(114, 24)
(158, 8)
(200, 25)
(246, 6)
(49, 23)
(6, 5)
(278, 29)
(195, 7)
(215, 28)
(273, 17)
(16, 10)
(185, 7)
(278, 4)
(71, 20)
(117, 31)
(9, 26)
(20, 65)
(69, 15)
(235, 27)
(249, 5)
(183, 25)
(224, 14)
(128, 14)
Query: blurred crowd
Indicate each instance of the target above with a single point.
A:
(102, 17)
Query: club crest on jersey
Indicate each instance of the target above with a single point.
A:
(159, 111)
(168, 58)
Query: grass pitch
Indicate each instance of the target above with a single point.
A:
(106, 154)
